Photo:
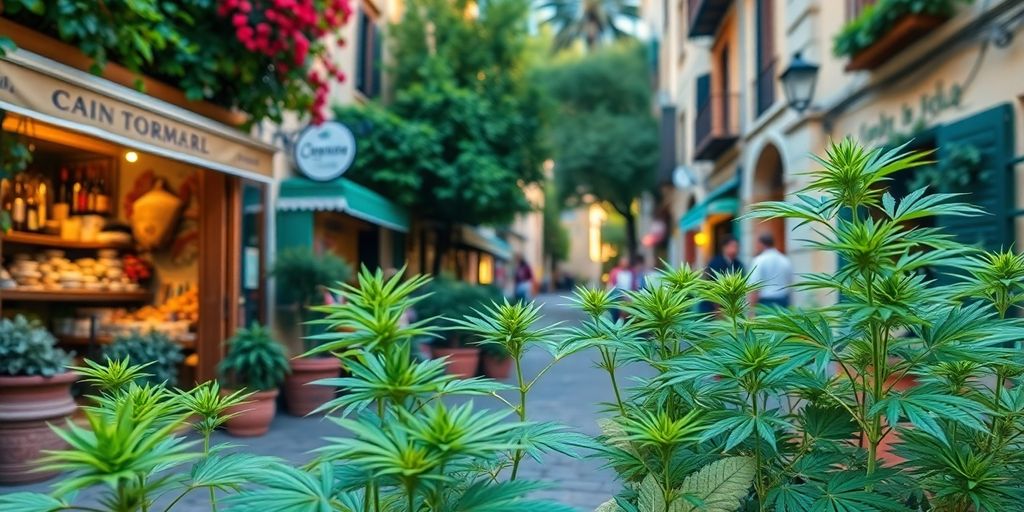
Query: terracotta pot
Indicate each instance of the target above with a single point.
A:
(462, 362)
(27, 404)
(301, 396)
(496, 367)
(252, 418)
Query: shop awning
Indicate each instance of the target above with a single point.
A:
(342, 195)
(487, 241)
(721, 201)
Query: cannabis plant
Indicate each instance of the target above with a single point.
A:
(400, 446)
(163, 354)
(808, 409)
(131, 447)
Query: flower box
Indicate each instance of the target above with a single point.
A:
(905, 32)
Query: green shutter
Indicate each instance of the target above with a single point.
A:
(992, 133)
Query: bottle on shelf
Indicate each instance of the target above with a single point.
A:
(78, 198)
(102, 199)
(18, 207)
(62, 204)
(94, 193)
(31, 206)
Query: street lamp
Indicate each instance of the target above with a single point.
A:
(798, 81)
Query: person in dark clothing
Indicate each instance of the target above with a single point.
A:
(727, 259)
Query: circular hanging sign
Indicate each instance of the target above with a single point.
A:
(325, 152)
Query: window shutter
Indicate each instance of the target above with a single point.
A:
(991, 132)
(703, 90)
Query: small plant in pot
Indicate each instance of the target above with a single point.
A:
(303, 275)
(35, 389)
(254, 362)
(456, 299)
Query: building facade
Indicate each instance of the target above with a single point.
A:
(733, 140)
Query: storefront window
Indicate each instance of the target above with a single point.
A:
(252, 293)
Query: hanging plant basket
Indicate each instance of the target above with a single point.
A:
(903, 33)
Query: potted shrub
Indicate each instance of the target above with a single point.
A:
(153, 347)
(255, 362)
(35, 389)
(303, 275)
(456, 299)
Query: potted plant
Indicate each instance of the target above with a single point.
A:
(255, 362)
(155, 348)
(495, 361)
(456, 299)
(35, 389)
(303, 275)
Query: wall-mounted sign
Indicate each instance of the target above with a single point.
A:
(56, 101)
(325, 152)
(911, 116)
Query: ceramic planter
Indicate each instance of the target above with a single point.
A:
(252, 418)
(903, 33)
(496, 367)
(301, 396)
(27, 404)
(462, 361)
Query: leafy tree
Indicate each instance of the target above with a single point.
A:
(556, 237)
(591, 21)
(604, 138)
(465, 125)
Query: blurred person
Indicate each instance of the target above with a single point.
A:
(773, 271)
(642, 273)
(620, 280)
(524, 281)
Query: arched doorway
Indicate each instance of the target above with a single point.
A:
(769, 185)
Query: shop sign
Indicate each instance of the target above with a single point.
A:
(324, 152)
(45, 94)
(911, 115)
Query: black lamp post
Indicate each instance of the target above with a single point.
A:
(798, 81)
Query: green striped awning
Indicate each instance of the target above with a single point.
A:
(720, 201)
(342, 195)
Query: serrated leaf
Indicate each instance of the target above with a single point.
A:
(652, 497)
(608, 506)
(719, 486)
(30, 502)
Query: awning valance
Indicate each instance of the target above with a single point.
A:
(342, 195)
(721, 201)
(486, 240)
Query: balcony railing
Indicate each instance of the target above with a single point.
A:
(716, 128)
(706, 16)
(765, 86)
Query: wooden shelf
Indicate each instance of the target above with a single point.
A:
(75, 296)
(37, 239)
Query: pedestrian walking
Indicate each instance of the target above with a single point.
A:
(524, 281)
(773, 271)
(642, 273)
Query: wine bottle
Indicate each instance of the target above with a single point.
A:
(78, 199)
(18, 203)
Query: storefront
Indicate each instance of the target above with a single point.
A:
(135, 214)
(342, 217)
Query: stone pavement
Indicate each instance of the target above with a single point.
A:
(571, 394)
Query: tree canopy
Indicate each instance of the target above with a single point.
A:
(604, 136)
(589, 21)
(463, 134)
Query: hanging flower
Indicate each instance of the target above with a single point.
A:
(290, 34)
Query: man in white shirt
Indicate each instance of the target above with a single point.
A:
(772, 270)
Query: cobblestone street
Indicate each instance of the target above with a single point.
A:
(571, 393)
